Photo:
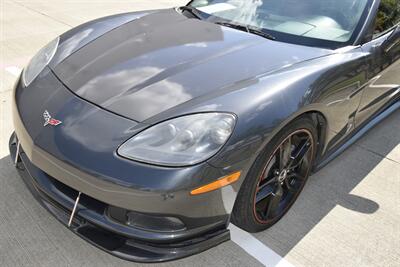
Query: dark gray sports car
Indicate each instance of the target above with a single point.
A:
(147, 133)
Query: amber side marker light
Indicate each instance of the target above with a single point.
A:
(224, 181)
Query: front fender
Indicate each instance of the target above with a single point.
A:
(330, 85)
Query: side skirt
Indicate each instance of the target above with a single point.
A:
(357, 135)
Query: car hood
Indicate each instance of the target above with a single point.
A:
(164, 59)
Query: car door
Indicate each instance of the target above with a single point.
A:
(383, 53)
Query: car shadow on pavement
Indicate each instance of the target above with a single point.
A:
(332, 186)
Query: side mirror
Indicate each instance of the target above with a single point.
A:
(392, 41)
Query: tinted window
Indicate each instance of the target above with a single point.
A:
(311, 21)
(388, 16)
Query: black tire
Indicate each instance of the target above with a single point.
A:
(247, 213)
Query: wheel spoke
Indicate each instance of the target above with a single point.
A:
(299, 154)
(265, 190)
(268, 169)
(279, 158)
(274, 201)
(283, 153)
(287, 149)
(264, 193)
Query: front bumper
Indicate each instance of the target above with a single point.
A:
(56, 163)
(92, 223)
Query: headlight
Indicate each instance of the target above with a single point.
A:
(39, 62)
(181, 141)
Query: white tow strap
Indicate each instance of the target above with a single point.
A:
(74, 209)
(17, 153)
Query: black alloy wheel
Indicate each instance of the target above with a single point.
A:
(277, 177)
(284, 176)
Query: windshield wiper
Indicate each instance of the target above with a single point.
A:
(260, 33)
(247, 28)
(233, 25)
(191, 10)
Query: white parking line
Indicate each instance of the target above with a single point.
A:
(13, 70)
(257, 249)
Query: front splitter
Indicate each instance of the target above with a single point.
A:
(109, 241)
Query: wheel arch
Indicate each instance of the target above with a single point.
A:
(321, 124)
(319, 121)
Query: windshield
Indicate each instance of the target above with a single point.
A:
(325, 23)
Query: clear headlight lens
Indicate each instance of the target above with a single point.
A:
(181, 141)
(39, 62)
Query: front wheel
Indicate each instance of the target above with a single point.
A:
(277, 177)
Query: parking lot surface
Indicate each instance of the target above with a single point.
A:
(348, 214)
